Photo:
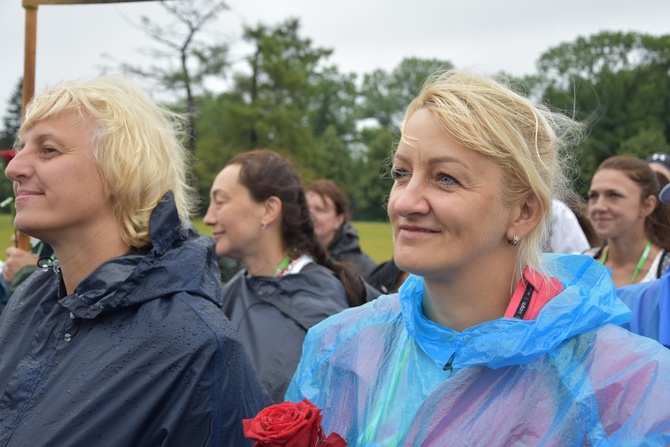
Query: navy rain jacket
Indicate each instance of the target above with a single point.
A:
(346, 248)
(139, 355)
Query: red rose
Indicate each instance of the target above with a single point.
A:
(290, 424)
(8, 154)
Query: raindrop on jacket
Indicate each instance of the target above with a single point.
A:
(138, 355)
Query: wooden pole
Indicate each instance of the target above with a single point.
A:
(22, 240)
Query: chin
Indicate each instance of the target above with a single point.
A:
(30, 230)
(412, 265)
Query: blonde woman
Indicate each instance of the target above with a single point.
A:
(488, 342)
(121, 342)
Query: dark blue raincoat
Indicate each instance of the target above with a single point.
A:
(139, 355)
(345, 248)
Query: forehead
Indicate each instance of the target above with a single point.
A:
(316, 198)
(67, 122)
(660, 168)
(425, 141)
(227, 180)
(613, 179)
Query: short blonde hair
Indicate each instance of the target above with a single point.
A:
(524, 139)
(136, 143)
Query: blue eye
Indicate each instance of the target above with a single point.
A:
(398, 174)
(446, 179)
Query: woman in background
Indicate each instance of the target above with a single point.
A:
(660, 162)
(635, 225)
(328, 206)
(259, 216)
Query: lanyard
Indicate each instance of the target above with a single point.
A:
(283, 264)
(524, 303)
(640, 262)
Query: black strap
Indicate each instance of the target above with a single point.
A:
(524, 303)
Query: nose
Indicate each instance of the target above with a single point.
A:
(409, 198)
(595, 205)
(17, 167)
(209, 218)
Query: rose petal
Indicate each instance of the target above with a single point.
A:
(288, 424)
(333, 440)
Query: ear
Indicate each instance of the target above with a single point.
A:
(648, 205)
(526, 217)
(272, 210)
(340, 219)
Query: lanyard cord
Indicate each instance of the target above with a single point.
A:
(640, 262)
(283, 265)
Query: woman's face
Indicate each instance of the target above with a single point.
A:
(324, 215)
(235, 217)
(615, 205)
(445, 205)
(59, 191)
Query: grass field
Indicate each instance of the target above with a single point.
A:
(6, 231)
(375, 237)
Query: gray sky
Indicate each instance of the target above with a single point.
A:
(491, 35)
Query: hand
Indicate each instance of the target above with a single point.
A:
(16, 260)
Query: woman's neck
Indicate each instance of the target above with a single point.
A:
(468, 301)
(623, 251)
(265, 257)
(628, 259)
(78, 262)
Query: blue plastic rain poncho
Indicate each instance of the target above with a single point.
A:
(650, 303)
(570, 377)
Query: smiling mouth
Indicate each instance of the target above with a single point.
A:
(407, 231)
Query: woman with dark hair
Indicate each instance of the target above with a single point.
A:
(329, 208)
(628, 216)
(259, 216)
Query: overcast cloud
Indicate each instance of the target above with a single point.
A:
(491, 35)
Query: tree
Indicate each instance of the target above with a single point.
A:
(275, 104)
(11, 122)
(386, 95)
(197, 59)
(373, 182)
(617, 83)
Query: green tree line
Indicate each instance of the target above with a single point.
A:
(286, 96)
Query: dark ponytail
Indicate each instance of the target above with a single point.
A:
(265, 174)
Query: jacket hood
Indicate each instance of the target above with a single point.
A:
(344, 241)
(587, 302)
(179, 260)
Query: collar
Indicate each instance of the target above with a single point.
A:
(533, 291)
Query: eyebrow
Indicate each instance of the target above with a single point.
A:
(218, 193)
(434, 160)
(41, 138)
(605, 191)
